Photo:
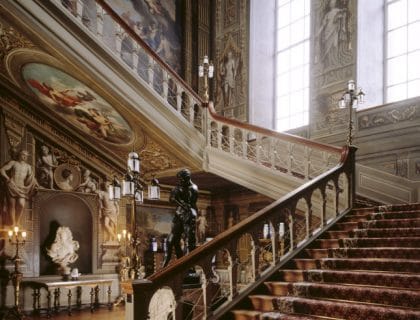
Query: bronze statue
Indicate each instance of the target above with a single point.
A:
(185, 196)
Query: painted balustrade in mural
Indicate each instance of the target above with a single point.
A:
(251, 250)
(125, 44)
(278, 151)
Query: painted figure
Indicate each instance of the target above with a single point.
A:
(184, 195)
(333, 33)
(109, 211)
(228, 73)
(20, 184)
(46, 165)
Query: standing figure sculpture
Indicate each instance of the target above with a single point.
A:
(228, 73)
(20, 184)
(202, 226)
(88, 185)
(109, 211)
(184, 195)
(46, 164)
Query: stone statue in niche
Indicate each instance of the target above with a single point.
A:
(109, 212)
(334, 33)
(63, 250)
(20, 183)
(88, 185)
(46, 165)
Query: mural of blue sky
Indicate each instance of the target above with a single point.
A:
(157, 23)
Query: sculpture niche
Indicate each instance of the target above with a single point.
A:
(63, 250)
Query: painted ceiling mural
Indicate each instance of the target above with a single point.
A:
(158, 23)
(77, 103)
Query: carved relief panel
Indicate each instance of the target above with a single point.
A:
(333, 63)
(231, 69)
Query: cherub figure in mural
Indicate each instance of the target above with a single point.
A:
(98, 123)
(88, 185)
(228, 73)
(63, 250)
(333, 33)
(46, 164)
(20, 184)
(67, 98)
(155, 7)
(109, 211)
(201, 226)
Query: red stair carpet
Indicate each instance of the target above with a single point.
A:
(366, 268)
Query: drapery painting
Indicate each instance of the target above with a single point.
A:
(158, 23)
(76, 103)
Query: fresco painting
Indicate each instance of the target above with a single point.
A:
(76, 103)
(157, 23)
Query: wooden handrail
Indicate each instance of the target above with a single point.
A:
(218, 241)
(268, 132)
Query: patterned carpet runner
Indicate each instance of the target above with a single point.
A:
(367, 267)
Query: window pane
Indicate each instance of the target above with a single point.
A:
(283, 107)
(296, 79)
(397, 70)
(297, 31)
(397, 42)
(397, 93)
(413, 36)
(413, 89)
(283, 38)
(413, 10)
(283, 124)
(414, 65)
(397, 14)
(283, 84)
(307, 27)
(292, 63)
(283, 62)
(298, 9)
(296, 55)
(283, 18)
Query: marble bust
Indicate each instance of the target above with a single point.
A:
(63, 250)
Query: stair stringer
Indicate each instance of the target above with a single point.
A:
(246, 173)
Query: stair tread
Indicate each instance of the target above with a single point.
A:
(279, 315)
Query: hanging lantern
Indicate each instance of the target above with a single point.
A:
(114, 190)
(133, 162)
(153, 191)
(128, 185)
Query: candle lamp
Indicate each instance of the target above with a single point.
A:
(18, 239)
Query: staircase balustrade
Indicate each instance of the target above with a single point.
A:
(98, 19)
(219, 262)
(280, 152)
(226, 272)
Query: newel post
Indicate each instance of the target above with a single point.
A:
(143, 292)
(351, 173)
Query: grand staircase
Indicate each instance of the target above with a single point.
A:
(366, 267)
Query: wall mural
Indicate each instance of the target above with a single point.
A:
(76, 103)
(157, 23)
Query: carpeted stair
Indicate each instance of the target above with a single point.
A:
(367, 267)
